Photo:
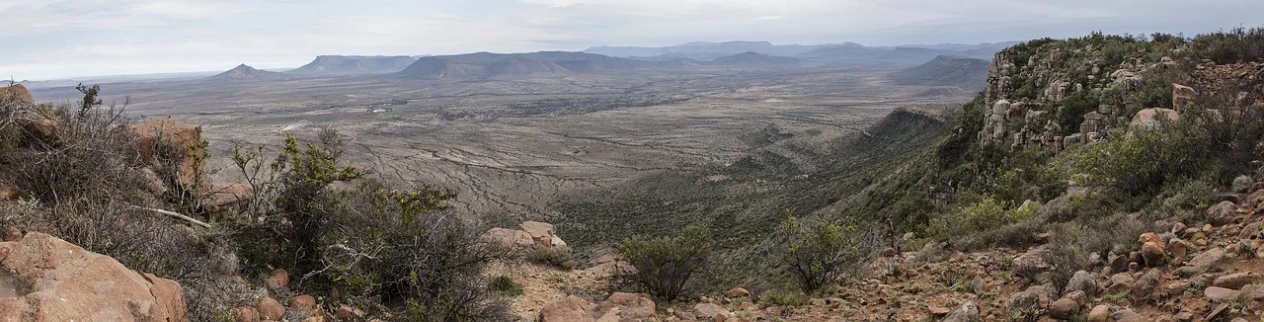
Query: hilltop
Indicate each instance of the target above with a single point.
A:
(245, 72)
(480, 65)
(964, 72)
(350, 65)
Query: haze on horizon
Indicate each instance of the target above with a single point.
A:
(55, 39)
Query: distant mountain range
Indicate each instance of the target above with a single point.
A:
(964, 72)
(478, 65)
(335, 64)
(245, 72)
(844, 51)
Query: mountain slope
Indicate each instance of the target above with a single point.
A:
(335, 64)
(244, 72)
(751, 58)
(480, 65)
(964, 72)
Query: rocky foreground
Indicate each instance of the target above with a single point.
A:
(1174, 273)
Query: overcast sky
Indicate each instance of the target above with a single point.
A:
(49, 39)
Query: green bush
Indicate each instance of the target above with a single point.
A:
(504, 285)
(665, 264)
(784, 298)
(816, 252)
(1143, 161)
(558, 257)
(981, 216)
(375, 244)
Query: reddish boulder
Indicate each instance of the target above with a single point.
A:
(571, 309)
(183, 140)
(16, 94)
(629, 307)
(510, 237)
(541, 233)
(303, 303)
(52, 280)
(1153, 250)
(8, 192)
(226, 194)
(277, 279)
(270, 309)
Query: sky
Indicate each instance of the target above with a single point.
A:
(57, 39)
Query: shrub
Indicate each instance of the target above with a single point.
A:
(783, 298)
(665, 264)
(372, 243)
(816, 252)
(552, 256)
(1143, 162)
(504, 285)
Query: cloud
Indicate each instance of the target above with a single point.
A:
(768, 18)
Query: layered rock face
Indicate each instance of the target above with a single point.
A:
(43, 278)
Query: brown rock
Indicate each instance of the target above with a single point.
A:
(278, 279)
(571, 309)
(890, 252)
(737, 292)
(710, 311)
(967, 312)
(1100, 313)
(541, 233)
(1153, 250)
(1064, 309)
(346, 312)
(16, 94)
(509, 237)
(224, 195)
(1236, 281)
(245, 314)
(270, 309)
(630, 307)
(1182, 96)
(1120, 283)
(1147, 283)
(1220, 294)
(1220, 214)
(8, 192)
(183, 140)
(1207, 259)
(1177, 248)
(1254, 292)
(1126, 315)
(1175, 288)
(303, 303)
(1149, 118)
(86, 286)
(42, 129)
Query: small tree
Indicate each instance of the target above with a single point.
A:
(665, 264)
(816, 252)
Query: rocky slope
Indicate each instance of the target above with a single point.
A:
(967, 73)
(244, 72)
(353, 65)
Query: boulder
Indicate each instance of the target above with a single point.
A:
(1243, 184)
(1236, 281)
(1220, 214)
(1220, 294)
(277, 279)
(628, 306)
(570, 309)
(245, 314)
(42, 129)
(16, 94)
(1207, 259)
(709, 311)
(1099, 313)
(1064, 309)
(1254, 292)
(48, 279)
(1120, 283)
(737, 292)
(303, 303)
(510, 237)
(1177, 248)
(1032, 262)
(184, 141)
(1153, 250)
(270, 309)
(1182, 96)
(1148, 283)
(967, 312)
(1149, 118)
(1126, 315)
(226, 194)
(1082, 281)
(1175, 288)
(541, 233)
(1036, 296)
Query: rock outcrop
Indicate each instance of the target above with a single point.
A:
(181, 144)
(43, 278)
